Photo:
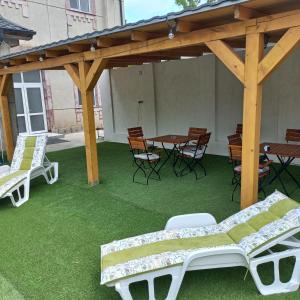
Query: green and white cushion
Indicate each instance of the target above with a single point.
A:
(29, 154)
(248, 230)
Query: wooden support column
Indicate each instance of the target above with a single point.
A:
(85, 76)
(6, 122)
(251, 119)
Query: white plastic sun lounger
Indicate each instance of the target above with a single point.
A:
(196, 242)
(29, 161)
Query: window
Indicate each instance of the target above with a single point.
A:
(82, 5)
(79, 103)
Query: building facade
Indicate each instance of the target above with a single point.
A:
(49, 101)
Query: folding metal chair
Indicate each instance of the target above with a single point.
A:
(192, 157)
(143, 159)
(195, 132)
(235, 152)
(137, 132)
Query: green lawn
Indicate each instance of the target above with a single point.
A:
(50, 246)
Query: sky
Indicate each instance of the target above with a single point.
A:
(136, 10)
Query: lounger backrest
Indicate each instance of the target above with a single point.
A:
(29, 152)
(262, 222)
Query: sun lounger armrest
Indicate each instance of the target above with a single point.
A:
(4, 169)
(190, 221)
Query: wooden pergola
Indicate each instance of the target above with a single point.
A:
(219, 29)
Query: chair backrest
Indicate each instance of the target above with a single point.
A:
(195, 132)
(239, 129)
(203, 139)
(292, 135)
(235, 152)
(137, 144)
(234, 139)
(135, 132)
(29, 152)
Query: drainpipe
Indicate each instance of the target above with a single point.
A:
(121, 12)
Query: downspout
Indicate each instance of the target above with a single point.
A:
(121, 12)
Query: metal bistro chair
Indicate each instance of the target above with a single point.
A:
(141, 157)
(137, 132)
(235, 152)
(195, 132)
(192, 157)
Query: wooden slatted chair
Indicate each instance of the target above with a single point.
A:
(143, 159)
(239, 129)
(292, 135)
(192, 157)
(234, 139)
(195, 132)
(235, 152)
(137, 132)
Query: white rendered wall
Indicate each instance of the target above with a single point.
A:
(198, 92)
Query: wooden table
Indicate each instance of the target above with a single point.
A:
(173, 139)
(286, 154)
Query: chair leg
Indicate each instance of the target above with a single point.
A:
(139, 168)
(236, 186)
(153, 170)
(21, 199)
(50, 173)
(277, 286)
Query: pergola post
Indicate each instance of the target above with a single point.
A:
(251, 119)
(85, 77)
(6, 122)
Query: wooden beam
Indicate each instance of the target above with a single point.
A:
(6, 81)
(76, 48)
(230, 58)
(160, 44)
(46, 64)
(197, 37)
(106, 42)
(278, 53)
(251, 120)
(183, 26)
(31, 58)
(95, 72)
(276, 22)
(73, 71)
(87, 97)
(17, 62)
(140, 36)
(243, 13)
(54, 53)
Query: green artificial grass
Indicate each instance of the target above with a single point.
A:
(50, 246)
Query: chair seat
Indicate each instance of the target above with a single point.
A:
(247, 231)
(7, 181)
(146, 156)
(191, 153)
(238, 169)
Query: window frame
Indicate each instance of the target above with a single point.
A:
(79, 9)
(78, 98)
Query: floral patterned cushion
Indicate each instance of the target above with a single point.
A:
(8, 180)
(247, 230)
(29, 152)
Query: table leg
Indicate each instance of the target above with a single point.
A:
(168, 153)
(289, 161)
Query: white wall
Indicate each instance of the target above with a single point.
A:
(198, 92)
